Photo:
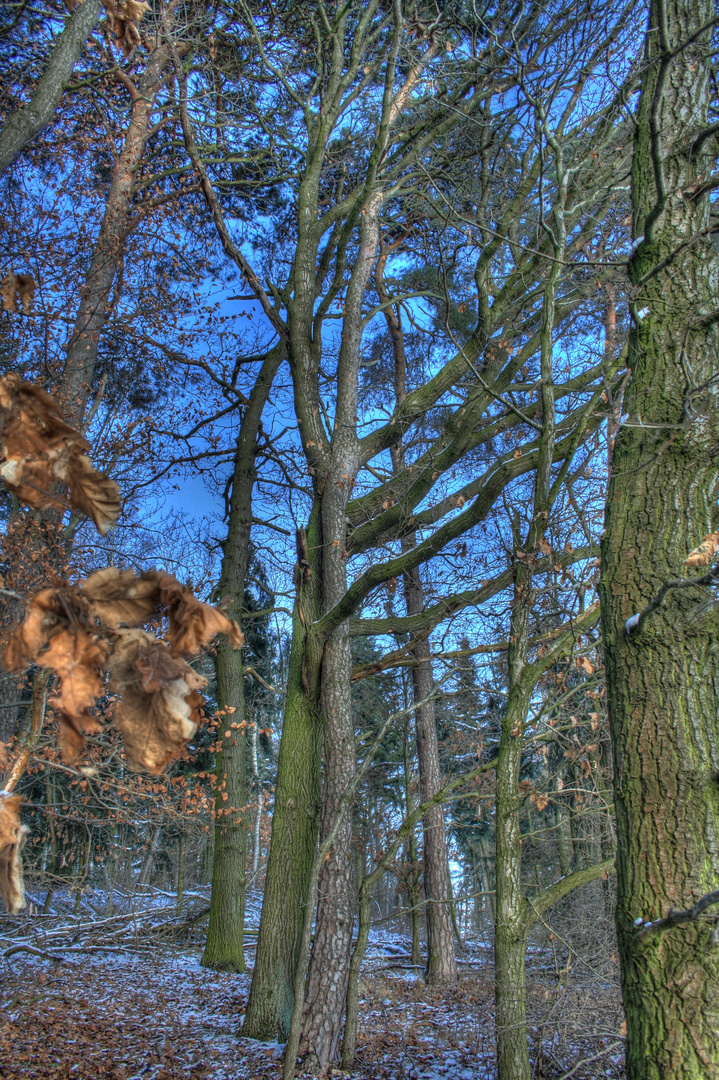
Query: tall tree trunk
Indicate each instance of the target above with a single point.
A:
(441, 961)
(22, 126)
(295, 818)
(663, 677)
(411, 854)
(257, 789)
(224, 947)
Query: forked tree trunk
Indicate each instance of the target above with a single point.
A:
(662, 500)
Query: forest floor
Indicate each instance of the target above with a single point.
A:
(151, 1012)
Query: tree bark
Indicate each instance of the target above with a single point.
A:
(663, 680)
(76, 381)
(441, 961)
(295, 817)
(25, 124)
(224, 948)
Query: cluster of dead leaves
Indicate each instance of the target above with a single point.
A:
(123, 17)
(17, 288)
(41, 454)
(704, 554)
(12, 838)
(92, 633)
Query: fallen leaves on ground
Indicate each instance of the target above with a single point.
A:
(159, 1015)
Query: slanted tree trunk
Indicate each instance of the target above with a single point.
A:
(95, 302)
(23, 126)
(224, 947)
(662, 500)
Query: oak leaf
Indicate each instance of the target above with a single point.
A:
(12, 839)
(704, 554)
(58, 632)
(120, 598)
(159, 707)
(40, 453)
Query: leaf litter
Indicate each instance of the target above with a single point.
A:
(156, 1014)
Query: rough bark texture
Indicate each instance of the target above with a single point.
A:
(224, 946)
(294, 821)
(663, 682)
(22, 126)
(106, 258)
(510, 935)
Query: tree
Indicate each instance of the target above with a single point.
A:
(29, 120)
(661, 666)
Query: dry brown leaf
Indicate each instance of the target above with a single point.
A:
(542, 801)
(12, 839)
(14, 287)
(40, 453)
(58, 633)
(704, 554)
(120, 598)
(9, 818)
(159, 710)
(123, 17)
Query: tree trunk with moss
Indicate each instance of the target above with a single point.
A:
(224, 947)
(662, 500)
(295, 818)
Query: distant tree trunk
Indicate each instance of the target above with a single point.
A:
(441, 962)
(412, 855)
(224, 948)
(149, 860)
(180, 872)
(257, 787)
(662, 500)
(25, 124)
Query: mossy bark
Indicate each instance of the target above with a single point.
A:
(224, 947)
(295, 819)
(663, 681)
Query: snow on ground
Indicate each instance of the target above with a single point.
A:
(156, 1014)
